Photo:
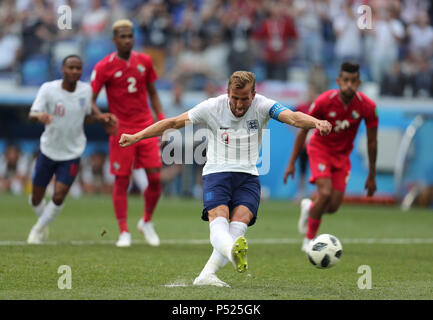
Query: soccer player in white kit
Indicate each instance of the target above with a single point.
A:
(231, 187)
(62, 106)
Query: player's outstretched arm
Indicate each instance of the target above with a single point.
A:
(108, 120)
(304, 121)
(297, 147)
(104, 118)
(370, 184)
(155, 130)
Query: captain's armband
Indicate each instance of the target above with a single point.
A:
(276, 109)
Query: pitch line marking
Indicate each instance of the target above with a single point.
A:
(251, 241)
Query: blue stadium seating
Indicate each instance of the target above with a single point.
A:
(35, 70)
(138, 37)
(2, 145)
(95, 146)
(94, 50)
(29, 146)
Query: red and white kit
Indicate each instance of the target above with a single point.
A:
(329, 155)
(125, 83)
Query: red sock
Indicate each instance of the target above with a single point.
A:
(152, 194)
(312, 227)
(120, 201)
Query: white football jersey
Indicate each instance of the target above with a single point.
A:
(233, 143)
(64, 138)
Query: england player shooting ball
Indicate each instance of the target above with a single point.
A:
(231, 187)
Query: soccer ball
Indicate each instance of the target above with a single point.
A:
(324, 251)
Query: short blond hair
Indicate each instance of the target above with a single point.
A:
(122, 23)
(239, 79)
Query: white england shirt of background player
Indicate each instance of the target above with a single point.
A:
(64, 138)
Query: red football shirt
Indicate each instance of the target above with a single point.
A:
(345, 120)
(126, 87)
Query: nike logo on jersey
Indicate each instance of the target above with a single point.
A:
(332, 114)
(118, 74)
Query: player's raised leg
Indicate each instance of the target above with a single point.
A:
(334, 204)
(324, 192)
(151, 197)
(232, 249)
(306, 205)
(37, 200)
(51, 210)
(241, 218)
(339, 183)
(243, 191)
(220, 237)
(43, 172)
(38, 204)
(217, 261)
(330, 197)
(65, 172)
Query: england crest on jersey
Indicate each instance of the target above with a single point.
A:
(82, 102)
(252, 126)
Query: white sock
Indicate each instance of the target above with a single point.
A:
(215, 263)
(238, 229)
(50, 212)
(217, 260)
(39, 209)
(220, 237)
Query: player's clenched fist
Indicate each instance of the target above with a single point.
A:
(324, 127)
(127, 140)
(45, 118)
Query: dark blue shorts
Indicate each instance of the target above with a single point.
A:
(231, 189)
(45, 168)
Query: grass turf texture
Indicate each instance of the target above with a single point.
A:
(276, 270)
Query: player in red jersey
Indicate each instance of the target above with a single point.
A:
(128, 77)
(329, 156)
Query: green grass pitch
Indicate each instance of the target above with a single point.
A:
(397, 246)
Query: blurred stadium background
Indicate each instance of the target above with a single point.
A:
(294, 47)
